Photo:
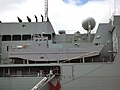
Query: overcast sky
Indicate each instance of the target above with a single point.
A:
(63, 14)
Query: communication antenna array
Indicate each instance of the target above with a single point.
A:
(88, 24)
(46, 9)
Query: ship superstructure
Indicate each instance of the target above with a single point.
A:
(34, 57)
(36, 42)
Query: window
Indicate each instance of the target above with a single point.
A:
(37, 35)
(41, 57)
(97, 44)
(26, 37)
(6, 37)
(44, 39)
(47, 35)
(36, 39)
(16, 37)
(40, 39)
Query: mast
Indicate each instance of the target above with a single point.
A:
(46, 9)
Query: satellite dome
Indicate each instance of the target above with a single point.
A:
(89, 21)
(62, 32)
(77, 34)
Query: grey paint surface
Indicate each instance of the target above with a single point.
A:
(77, 76)
(18, 83)
(95, 76)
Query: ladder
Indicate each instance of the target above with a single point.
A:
(42, 82)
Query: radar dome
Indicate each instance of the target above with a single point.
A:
(88, 23)
(62, 32)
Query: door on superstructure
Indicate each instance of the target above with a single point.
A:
(118, 47)
(19, 72)
(67, 71)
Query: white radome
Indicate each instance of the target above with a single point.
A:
(89, 21)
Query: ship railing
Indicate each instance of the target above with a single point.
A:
(1, 75)
(91, 55)
(89, 58)
(84, 55)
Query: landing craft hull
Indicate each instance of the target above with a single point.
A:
(101, 77)
(89, 76)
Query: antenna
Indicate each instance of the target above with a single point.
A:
(20, 20)
(29, 20)
(88, 24)
(46, 9)
(115, 7)
(36, 18)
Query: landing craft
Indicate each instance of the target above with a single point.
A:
(34, 57)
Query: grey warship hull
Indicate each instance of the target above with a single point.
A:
(75, 76)
(30, 50)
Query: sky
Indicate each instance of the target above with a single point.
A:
(63, 14)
